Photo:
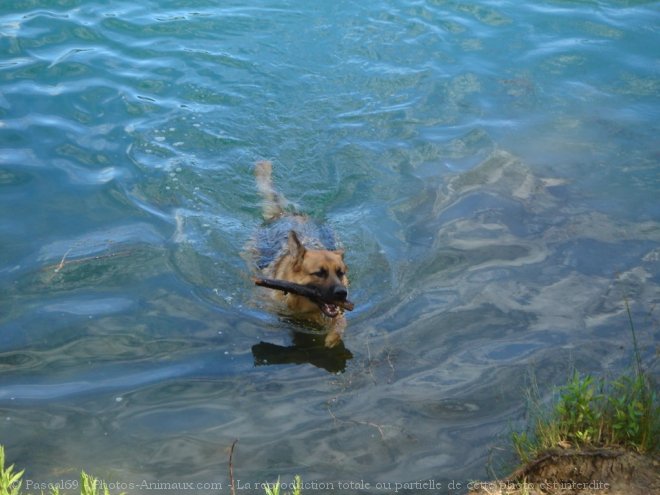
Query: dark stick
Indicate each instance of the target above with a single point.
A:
(231, 468)
(309, 291)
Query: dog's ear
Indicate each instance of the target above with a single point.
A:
(340, 252)
(296, 250)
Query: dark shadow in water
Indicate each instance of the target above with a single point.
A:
(306, 348)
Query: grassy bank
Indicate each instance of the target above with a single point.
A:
(596, 434)
(593, 412)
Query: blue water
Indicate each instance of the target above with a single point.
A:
(492, 169)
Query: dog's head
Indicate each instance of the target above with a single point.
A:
(322, 268)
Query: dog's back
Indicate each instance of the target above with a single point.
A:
(271, 239)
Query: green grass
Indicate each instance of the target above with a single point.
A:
(11, 483)
(595, 412)
(275, 490)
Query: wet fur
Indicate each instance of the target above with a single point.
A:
(302, 257)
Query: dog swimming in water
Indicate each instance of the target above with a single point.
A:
(292, 248)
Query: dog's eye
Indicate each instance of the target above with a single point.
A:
(322, 273)
(340, 273)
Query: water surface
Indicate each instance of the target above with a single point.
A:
(491, 168)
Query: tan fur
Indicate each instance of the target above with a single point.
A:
(272, 203)
(302, 265)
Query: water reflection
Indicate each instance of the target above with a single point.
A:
(128, 319)
(307, 347)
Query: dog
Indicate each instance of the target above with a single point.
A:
(292, 247)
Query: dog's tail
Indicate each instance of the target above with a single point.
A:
(273, 203)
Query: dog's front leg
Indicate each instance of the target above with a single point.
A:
(336, 332)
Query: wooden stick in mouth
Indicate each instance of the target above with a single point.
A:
(309, 291)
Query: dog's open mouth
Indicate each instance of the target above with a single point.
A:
(329, 310)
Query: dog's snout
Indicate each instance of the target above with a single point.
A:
(340, 293)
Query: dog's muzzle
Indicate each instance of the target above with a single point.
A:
(339, 294)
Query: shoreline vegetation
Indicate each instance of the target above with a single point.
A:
(598, 437)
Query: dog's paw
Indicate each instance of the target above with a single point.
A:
(332, 339)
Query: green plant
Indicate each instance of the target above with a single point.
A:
(297, 487)
(623, 412)
(633, 413)
(10, 481)
(523, 445)
(275, 490)
(578, 411)
(542, 430)
(92, 486)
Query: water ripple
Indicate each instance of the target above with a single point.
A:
(491, 168)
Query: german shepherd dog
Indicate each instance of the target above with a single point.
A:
(293, 248)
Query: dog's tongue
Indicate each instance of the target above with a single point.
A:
(330, 310)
